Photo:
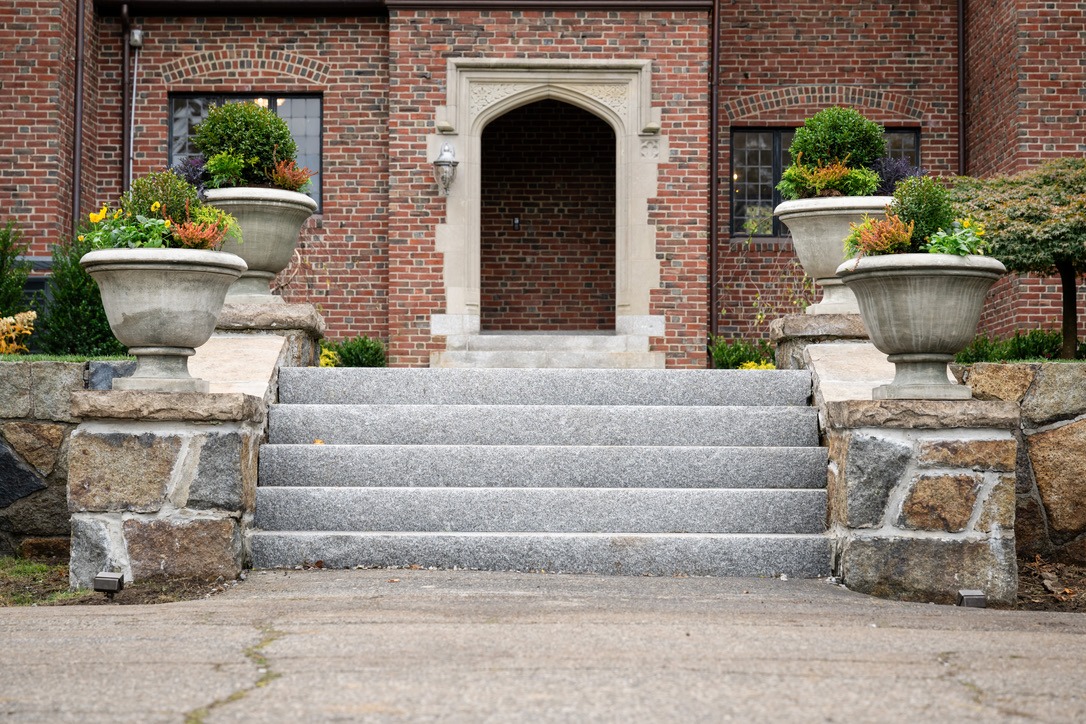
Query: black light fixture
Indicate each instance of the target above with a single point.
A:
(971, 598)
(108, 583)
(445, 167)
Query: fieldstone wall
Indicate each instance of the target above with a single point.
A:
(1050, 471)
(36, 423)
(922, 497)
(162, 483)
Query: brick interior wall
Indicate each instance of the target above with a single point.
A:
(420, 45)
(552, 166)
(783, 62)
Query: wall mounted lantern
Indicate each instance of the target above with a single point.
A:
(445, 168)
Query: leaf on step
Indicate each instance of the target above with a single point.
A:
(318, 441)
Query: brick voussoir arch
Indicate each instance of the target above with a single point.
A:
(236, 64)
(888, 103)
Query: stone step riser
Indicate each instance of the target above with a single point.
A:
(624, 554)
(542, 466)
(546, 510)
(543, 425)
(543, 387)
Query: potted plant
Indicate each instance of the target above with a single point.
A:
(250, 172)
(829, 186)
(921, 278)
(162, 281)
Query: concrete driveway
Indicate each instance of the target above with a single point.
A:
(465, 646)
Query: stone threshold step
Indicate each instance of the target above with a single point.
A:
(801, 556)
(543, 510)
(542, 466)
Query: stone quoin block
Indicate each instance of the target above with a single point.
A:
(940, 502)
(176, 548)
(874, 467)
(1056, 456)
(995, 455)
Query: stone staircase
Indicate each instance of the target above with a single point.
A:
(608, 471)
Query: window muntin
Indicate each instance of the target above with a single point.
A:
(303, 115)
(759, 155)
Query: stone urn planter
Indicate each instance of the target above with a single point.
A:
(270, 221)
(819, 228)
(162, 304)
(921, 310)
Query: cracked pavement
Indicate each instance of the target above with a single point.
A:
(416, 645)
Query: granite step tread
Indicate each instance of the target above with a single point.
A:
(543, 425)
(542, 466)
(545, 510)
(801, 556)
(341, 385)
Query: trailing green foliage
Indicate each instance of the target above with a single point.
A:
(924, 202)
(358, 352)
(838, 135)
(13, 270)
(836, 179)
(1036, 223)
(1036, 344)
(965, 236)
(73, 321)
(249, 133)
(731, 354)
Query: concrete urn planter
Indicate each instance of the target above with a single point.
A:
(270, 221)
(819, 228)
(162, 304)
(921, 310)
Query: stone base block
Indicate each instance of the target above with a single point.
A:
(930, 570)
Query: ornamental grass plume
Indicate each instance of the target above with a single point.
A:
(13, 329)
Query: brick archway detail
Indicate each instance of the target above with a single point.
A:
(887, 104)
(617, 91)
(217, 66)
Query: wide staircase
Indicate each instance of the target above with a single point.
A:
(634, 472)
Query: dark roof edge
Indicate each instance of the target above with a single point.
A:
(332, 8)
(242, 8)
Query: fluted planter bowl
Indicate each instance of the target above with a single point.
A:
(819, 228)
(162, 304)
(270, 221)
(921, 310)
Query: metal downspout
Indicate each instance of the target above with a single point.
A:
(77, 141)
(963, 146)
(714, 172)
(126, 101)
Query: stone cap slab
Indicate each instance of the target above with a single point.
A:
(167, 406)
(271, 318)
(922, 414)
(818, 327)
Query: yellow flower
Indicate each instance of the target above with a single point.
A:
(95, 218)
(966, 223)
(167, 223)
(81, 237)
(117, 214)
(155, 207)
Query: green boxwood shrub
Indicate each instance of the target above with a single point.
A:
(729, 354)
(924, 201)
(13, 271)
(359, 352)
(249, 133)
(178, 198)
(74, 321)
(1036, 344)
(838, 135)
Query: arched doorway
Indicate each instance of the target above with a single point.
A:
(547, 221)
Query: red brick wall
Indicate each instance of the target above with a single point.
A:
(37, 74)
(343, 259)
(552, 166)
(421, 44)
(782, 62)
(1025, 104)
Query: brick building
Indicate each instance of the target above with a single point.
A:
(588, 134)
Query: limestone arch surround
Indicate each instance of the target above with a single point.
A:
(619, 92)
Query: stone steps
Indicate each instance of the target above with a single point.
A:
(606, 471)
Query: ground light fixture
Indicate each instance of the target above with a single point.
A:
(108, 583)
(970, 598)
(445, 167)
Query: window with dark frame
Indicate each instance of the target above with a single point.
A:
(759, 155)
(302, 113)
